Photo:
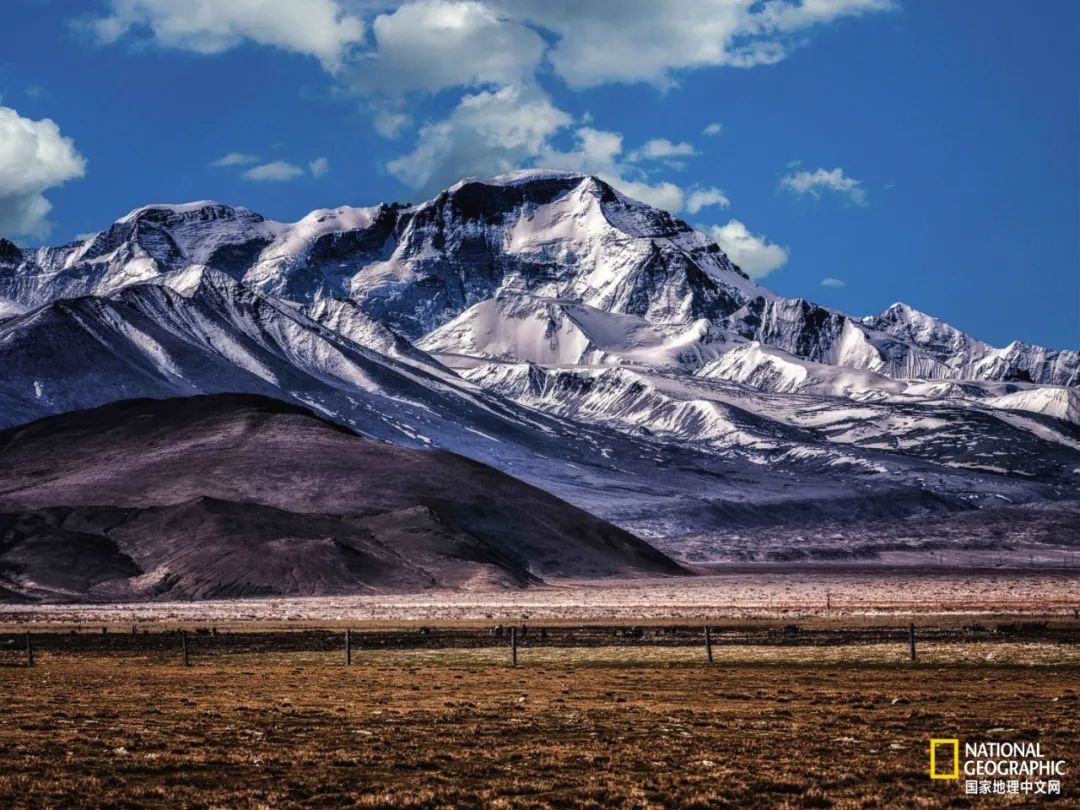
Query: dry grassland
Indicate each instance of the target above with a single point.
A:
(647, 726)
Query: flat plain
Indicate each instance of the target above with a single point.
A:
(833, 715)
(800, 592)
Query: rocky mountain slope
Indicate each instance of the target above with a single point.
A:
(239, 495)
(545, 324)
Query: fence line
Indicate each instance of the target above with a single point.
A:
(210, 643)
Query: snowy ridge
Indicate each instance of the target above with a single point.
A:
(546, 233)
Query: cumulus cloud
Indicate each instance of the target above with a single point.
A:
(497, 131)
(319, 167)
(276, 170)
(426, 45)
(395, 54)
(34, 157)
(829, 281)
(646, 41)
(661, 148)
(715, 128)
(703, 197)
(813, 183)
(753, 253)
(235, 159)
(487, 133)
(429, 45)
(318, 28)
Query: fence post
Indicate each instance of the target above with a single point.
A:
(29, 650)
(911, 640)
(513, 646)
(183, 647)
(348, 648)
(708, 643)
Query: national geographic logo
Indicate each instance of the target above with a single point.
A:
(996, 767)
(951, 748)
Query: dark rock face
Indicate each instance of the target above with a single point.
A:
(236, 259)
(9, 252)
(240, 495)
(796, 326)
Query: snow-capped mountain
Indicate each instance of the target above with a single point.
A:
(554, 248)
(546, 324)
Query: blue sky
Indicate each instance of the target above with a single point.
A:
(853, 152)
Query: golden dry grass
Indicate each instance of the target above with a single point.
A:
(601, 727)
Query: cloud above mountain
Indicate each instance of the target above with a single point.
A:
(653, 42)
(395, 56)
(807, 183)
(235, 159)
(488, 132)
(431, 45)
(318, 28)
(704, 197)
(270, 171)
(427, 45)
(275, 170)
(752, 252)
(34, 157)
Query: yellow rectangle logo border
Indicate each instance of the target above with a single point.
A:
(955, 743)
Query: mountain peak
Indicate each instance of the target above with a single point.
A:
(904, 311)
(9, 250)
(520, 177)
(199, 210)
(542, 235)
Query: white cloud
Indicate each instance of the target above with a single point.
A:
(661, 148)
(715, 128)
(494, 132)
(34, 157)
(833, 282)
(606, 41)
(786, 16)
(753, 253)
(395, 53)
(664, 194)
(429, 45)
(487, 133)
(814, 182)
(703, 197)
(424, 46)
(235, 159)
(276, 170)
(319, 167)
(318, 28)
(389, 122)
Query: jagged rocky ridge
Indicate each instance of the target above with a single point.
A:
(546, 324)
(553, 239)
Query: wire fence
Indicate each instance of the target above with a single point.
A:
(190, 643)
